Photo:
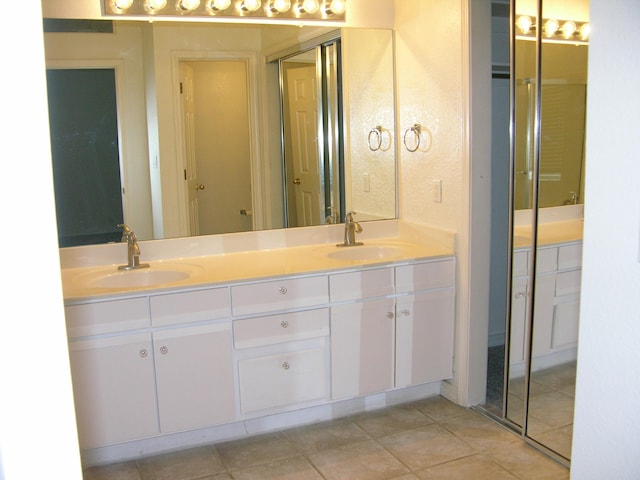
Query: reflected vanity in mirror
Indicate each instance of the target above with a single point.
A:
(203, 140)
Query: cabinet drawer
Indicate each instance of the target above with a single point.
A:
(279, 295)
(424, 276)
(570, 256)
(568, 282)
(273, 329)
(280, 380)
(546, 260)
(176, 308)
(520, 264)
(106, 317)
(364, 284)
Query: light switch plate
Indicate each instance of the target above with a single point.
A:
(436, 190)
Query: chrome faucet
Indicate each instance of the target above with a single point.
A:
(351, 227)
(133, 249)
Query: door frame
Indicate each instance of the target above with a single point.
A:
(258, 199)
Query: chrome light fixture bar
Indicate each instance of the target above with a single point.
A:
(295, 10)
(553, 30)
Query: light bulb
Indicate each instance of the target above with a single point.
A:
(336, 7)
(154, 6)
(524, 23)
(551, 27)
(309, 6)
(188, 5)
(251, 5)
(568, 29)
(585, 31)
(122, 5)
(218, 5)
(280, 6)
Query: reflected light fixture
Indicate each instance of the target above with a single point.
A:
(279, 6)
(250, 5)
(308, 6)
(335, 7)
(564, 31)
(154, 6)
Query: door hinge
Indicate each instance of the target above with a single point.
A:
(180, 87)
(185, 173)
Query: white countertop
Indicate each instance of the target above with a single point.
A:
(247, 266)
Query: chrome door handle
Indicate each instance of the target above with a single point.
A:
(199, 187)
(297, 181)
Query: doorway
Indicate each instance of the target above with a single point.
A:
(217, 142)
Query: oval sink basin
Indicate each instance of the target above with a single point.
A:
(155, 275)
(139, 278)
(366, 252)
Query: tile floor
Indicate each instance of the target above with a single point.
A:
(428, 439)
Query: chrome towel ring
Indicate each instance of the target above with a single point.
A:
(416, 132)
(375, 138)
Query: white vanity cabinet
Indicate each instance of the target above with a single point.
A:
(113, 372)
(282, 358)
(193, 359)
(398, 333)
(557, 300)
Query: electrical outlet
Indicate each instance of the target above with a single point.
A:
(436, 190)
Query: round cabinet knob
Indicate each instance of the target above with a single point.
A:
(284, 324)
(200, 187)
(144, 353)
(390, 315)
(405, 313)
(282, 290)
(520, 294)
(164, 350)
(286, 366)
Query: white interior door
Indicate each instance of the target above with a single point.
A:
(191, 173)
(218, 145)
(305, 151)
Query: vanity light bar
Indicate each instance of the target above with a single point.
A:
(565, 31)
(330, 10)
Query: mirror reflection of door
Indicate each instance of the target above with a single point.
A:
(217, 145)
(85, 155)
(312, 131)
(304, 156)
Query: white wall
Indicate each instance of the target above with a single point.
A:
(607, 414)
(37, 422)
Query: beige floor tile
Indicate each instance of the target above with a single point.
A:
(117, 471)
(476, 467)
(297, 468)
(426, 446)
(314, 438)
(439, 408)
(480, 432)
(255, 451)
(557, 440)
(392, 420)
(554, 409)
(359, 461)
(527, 463)
(407, 476)
(189, 464)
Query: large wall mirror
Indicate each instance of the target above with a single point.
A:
(201, 129)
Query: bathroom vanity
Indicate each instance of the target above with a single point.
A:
(311, 326)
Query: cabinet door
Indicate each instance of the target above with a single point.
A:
(362, 348)
(194, 369)
(114, 389)
(424, 337)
